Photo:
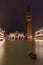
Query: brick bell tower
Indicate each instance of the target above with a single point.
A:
(28, 24)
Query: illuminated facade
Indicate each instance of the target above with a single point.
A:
(28, 24)
(39, 34)
(2, 36)
(2, 32)
(16, 36)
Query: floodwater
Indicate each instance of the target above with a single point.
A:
(16, 52)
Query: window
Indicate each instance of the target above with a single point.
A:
(38, 33)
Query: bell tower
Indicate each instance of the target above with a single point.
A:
(28, 24)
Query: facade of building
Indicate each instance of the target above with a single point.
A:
(2, 36)
(29, 24)
(16, 36)
(2, 33)
(39, 34)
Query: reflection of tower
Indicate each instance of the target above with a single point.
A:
(28, 24)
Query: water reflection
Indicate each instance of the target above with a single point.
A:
(38, 42)
(39, 49)
(17, 50)
(2, 52)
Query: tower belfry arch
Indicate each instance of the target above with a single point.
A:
(28, 24)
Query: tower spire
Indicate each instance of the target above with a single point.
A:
(28, 8)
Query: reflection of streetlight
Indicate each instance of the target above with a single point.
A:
(39, 48)
(2, 51)
(38, 42)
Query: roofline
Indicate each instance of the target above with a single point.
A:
(39, 29)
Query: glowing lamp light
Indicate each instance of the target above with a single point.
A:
(30, 37)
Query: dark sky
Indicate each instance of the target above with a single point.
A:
(13, 13)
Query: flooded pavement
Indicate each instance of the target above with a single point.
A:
(39, 51)
(2, 52)
(16, 52)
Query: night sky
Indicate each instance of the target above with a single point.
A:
(13, 13)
